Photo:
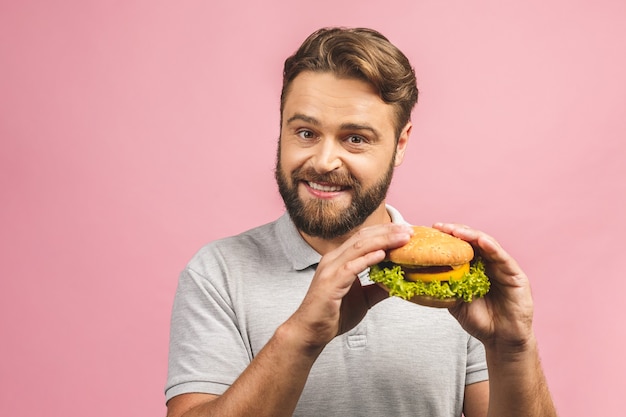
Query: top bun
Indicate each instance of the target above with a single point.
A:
(432, 247)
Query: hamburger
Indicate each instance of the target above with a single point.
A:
(434, 269)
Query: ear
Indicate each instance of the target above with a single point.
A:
(403, 141)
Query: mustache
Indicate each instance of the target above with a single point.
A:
(344, 179)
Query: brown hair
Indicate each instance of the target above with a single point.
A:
(359, 53)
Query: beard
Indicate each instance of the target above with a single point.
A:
(323, 218)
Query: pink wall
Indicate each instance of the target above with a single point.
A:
(133, 132)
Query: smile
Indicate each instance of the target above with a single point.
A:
(324, 188)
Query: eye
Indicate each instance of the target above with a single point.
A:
(305, 134)
(356, 140)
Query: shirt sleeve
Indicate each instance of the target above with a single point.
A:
(207, 352)
(476, 362)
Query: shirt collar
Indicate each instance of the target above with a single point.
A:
(294, 246)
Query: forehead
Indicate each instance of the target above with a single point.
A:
(331, 99)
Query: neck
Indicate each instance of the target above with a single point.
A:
(323, 246)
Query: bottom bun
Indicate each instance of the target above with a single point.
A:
(428, 301)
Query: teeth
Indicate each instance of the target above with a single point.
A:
(325, 188)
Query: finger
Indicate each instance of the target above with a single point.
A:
(339, 268)
(385, 236)
(358, 265)
(489, 248)
(368, 246)
(461, 231)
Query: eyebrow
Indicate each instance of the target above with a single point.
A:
(344, 126)
(304, 118)
(356, 126)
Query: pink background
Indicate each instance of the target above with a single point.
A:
(132, 132)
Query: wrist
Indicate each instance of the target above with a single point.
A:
(296, 340)
(503, 354)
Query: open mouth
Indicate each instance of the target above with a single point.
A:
(327, 188)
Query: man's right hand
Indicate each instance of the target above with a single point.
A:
(336, 301)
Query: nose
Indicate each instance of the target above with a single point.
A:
(327, 156)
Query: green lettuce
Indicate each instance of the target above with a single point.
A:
(474, 283)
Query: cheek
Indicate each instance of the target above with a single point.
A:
(369, 169)
(292, 158)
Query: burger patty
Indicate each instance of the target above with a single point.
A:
(436, 269)
(433, 269)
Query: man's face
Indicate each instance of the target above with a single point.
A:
(336, 154)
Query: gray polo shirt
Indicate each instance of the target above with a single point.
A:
(401, 360)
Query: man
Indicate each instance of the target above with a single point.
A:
(282, 321)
